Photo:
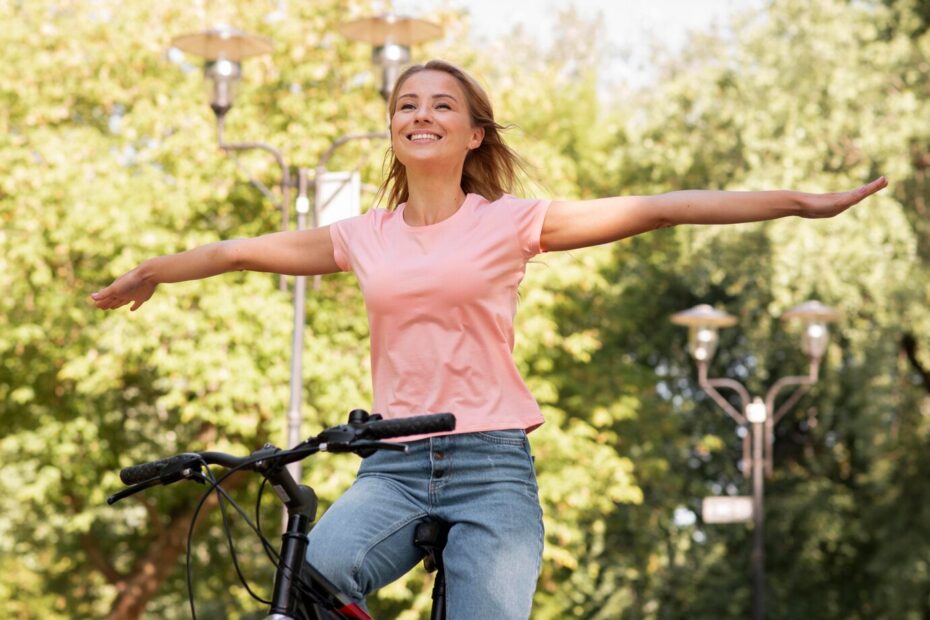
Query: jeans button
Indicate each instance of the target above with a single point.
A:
(438, 455)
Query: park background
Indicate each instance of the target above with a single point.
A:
(108, 156)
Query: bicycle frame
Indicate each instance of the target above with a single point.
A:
(287, 600)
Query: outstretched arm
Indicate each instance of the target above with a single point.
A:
(305, 252)
(582, 223)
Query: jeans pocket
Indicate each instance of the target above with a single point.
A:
(509, 437)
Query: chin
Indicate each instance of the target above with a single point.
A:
(423, 160)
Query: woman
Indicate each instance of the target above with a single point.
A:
(439, 274)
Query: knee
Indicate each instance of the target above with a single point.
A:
(330, 559)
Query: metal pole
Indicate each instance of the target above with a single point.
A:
(294, 415)
(758, 550)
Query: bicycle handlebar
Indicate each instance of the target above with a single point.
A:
(417, 425)
(154, 469)
(352, 437)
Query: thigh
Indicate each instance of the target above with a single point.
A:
(365, 539)
(493, 555)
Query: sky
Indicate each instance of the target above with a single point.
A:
(630, 24)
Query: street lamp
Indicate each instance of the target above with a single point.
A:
(223, 49)
(391, 36)
(703, 323)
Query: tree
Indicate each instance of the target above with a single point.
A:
(803, 96)
(108, 160)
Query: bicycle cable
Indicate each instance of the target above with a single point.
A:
(270, 551)
(215, 486)
(221, 495)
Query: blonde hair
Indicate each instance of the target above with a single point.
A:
(491, 170)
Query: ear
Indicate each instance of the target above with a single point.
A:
(477, 136)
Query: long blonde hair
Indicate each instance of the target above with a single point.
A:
(490, 170)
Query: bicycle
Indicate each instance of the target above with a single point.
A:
(300, 592)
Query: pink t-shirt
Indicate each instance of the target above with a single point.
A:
(441, 301)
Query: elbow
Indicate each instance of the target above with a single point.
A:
(230, 256)
(663, 222)
(657, 214)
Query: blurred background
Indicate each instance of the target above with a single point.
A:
(108, 156)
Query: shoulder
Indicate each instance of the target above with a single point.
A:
(369, 219)
(511, 205)
(509, 200)
(522, 217)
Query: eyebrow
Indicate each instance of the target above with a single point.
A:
(436, 96)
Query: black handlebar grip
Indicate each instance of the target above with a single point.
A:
(152, 469)
(416, 425)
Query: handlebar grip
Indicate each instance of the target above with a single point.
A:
(152, 469)
(417, 425)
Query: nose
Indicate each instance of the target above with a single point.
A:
(422, 113)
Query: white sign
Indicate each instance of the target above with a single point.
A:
(726, 509)
(338, 195)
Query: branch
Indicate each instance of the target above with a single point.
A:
(909, 346)
(99, 560)
(157, 523)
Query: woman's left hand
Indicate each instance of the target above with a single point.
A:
(834, 203)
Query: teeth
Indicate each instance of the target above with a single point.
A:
(424, 136)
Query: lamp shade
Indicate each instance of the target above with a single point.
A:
(390, 29)
(222, 42)
(812, 310)
(703, 315)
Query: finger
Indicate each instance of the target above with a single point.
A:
(101, 301)
(104, 292)
(135, 306)
(870, 188)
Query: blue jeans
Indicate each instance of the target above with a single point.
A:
(484, 484)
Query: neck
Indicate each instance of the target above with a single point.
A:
(432, 198)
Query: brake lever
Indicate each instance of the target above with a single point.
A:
(362, 447)
(136, 488)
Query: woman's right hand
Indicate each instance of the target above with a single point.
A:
(131, 287)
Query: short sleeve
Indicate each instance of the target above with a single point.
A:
(342, 233)
(528, 215)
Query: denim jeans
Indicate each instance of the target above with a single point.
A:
(484, 484)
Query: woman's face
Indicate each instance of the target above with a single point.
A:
(431, 124)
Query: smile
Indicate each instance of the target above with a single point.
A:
(423, 137)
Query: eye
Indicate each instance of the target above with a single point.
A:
(443, 105)
(406, 106)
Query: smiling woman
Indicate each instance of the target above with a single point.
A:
(439, 270)
(438, 98)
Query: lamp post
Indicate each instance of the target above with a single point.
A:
(703, 323)
(223, 50)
